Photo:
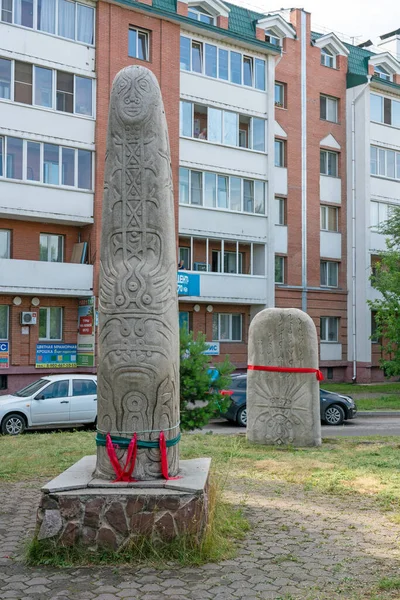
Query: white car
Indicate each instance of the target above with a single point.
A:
(52, 401)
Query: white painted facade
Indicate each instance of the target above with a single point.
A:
(368, 197)
(218, 224)
(41, 200)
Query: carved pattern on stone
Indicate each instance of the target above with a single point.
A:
(138, 374)
(282, 407)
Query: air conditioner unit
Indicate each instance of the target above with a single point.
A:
(28, 318)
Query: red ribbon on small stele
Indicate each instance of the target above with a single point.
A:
(164, 458)
(317, 372)
(123, 474)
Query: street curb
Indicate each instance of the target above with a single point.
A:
(377, 413)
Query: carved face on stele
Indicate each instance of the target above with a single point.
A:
(134, 95)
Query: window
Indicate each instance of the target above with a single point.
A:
(23, 82)
(380, 212)
(382, 73)
(66, 19)
(216, 62)
(220, 191)
(43, 87)
(328, 108)
(233, 262)
(184, 257)
(329, 329)
(83, 96)
(5, 237)
(280, 95)
(4, 319)
(280, 154)
(329, 273)
(329, 218)
(50, 323)
(280, 209)
(375, 338)
(385, 110)
(5, 78)
(222, 127)
(138, 44)
(3, 382)
(83, 387)
(279, 269)
(200, 14)
(6, 11)
(23, 14)
(51, 247)
(385, 163)
(65, 92)
(184, 320)
(328, 59)
(58, 389)
(227, 327)
(42, 163)
(272, 38)
(329, 163)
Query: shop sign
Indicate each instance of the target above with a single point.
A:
(59, 356)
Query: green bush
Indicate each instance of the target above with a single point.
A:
(200, 398)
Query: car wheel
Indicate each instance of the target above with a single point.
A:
(13, 425)
(334, 415)
(241, 417)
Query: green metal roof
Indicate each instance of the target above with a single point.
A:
(242, 21)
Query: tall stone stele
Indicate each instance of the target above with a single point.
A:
(283, 408)
(138, 370)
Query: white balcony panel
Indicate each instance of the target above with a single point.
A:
(330, 351)
(235, 289)
(206, 90)
(41, 203)
(35, 123)
(217, 223)
(330, 189)
(217, 158)
(376, 241)
(331, 244)
(384, 135)
(389, 189)
(281, 181)
(41, 48)
(372, 293)
(51, 279)
(281, 244)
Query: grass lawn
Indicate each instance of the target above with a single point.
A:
(358, 388)
(382, 403)
(343, 466)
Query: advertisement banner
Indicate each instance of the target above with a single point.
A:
(50, 356)
(86, 332)
(188, 284)
(4, 355)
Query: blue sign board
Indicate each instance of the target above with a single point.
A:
(213, 349)
(50, 356)
(188, 284)
(4, 355)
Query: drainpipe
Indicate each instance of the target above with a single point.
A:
(303, 62)
(353, 227)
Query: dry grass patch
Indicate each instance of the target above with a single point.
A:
(368, 484)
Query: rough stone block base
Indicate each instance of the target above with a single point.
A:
(102, 515)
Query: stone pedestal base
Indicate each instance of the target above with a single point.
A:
(77, 509)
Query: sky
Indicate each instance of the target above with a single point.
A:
(365, 18)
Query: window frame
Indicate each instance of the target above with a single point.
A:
(327, 153)
(41, 181)
(139, 32)
(281, 154)
(273, 37)
(324, 216)
(281, 260)
(61, 245)
(35, 20)
(382, 73)
(324, 329)
(326, 54)
(282, 86)
(8, 242)
(48, 310)
(382, 168)
(230, 317)
(329, 101)
(195, 10)
(7, 322)
(281, 211)
(331, 265)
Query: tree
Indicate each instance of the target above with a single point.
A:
(200, 398)
(386, 279)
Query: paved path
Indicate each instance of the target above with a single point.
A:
(366, 424)
(302, 546)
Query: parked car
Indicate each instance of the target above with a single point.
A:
(52, 401)
(335, 408)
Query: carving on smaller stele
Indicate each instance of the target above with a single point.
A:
(283, 408)
(138, 366)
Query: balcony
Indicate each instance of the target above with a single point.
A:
(35, 202)
(331, 245)
(45, 278)
(235, 289)
(330, 189)
(281, 181)
(281, 239)
(194, 220)
(330, 351)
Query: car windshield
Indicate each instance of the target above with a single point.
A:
(31, 389)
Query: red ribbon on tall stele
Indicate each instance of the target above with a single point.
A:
(317, 372)
(123, 474)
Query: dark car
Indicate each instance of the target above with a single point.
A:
(335, 408)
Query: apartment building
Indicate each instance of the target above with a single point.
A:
(47, 128)
(373, 168)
